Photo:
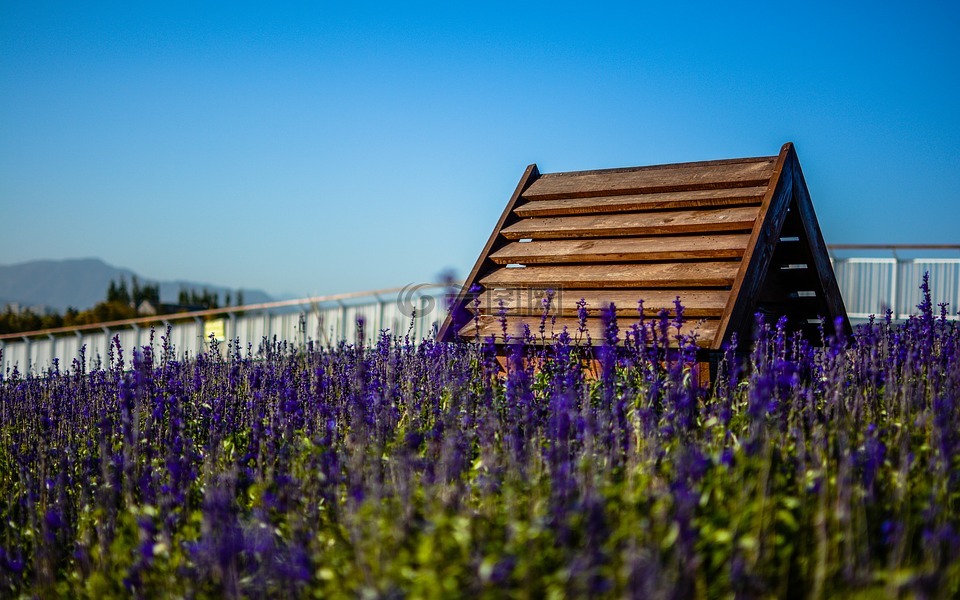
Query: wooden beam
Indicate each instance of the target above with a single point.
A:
(663, 178)
(654, 223)
(640, 202)
(529, 301)
(623, 249)
(638, 275)
(705, 330)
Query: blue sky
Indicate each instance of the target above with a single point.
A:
(314, 148)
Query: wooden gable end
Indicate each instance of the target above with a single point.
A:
(729, 237)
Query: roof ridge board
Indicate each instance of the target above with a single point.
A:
(681, 165)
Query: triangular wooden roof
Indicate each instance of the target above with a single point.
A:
(730, 237)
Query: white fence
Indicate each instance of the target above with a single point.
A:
(325, 320)
(869, 286)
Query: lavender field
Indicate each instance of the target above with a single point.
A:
(424, 471)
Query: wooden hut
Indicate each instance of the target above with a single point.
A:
(731, 238)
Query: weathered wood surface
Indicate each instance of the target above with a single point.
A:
(664, 178)
(623, 249)
(640, 275)
(696, 303)
(654, 223)
(709, 232)
(705, 330)
(641, 202)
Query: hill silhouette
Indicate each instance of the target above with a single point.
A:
(82, 282)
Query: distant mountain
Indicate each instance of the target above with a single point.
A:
(83, 282)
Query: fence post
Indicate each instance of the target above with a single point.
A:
(106, 333)
(343, 320)
(381, 312)
(53, 348)
(266, 329)
(202, 345)
(137, 336)
(895, 288)
(27, 343)
(80, 347)
(232, 328)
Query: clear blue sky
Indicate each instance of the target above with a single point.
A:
(312, 148)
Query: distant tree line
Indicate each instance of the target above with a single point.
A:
(121, 302)
(206, 299)
(117, 292)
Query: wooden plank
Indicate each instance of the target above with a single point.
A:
(791, 252)
(641, 202)
(655, 223)
(447, 329)
(622, 249)
(529, 301)
(640, 275)
(783, 281)
(793, 308)
(662, 178)
(491, 326)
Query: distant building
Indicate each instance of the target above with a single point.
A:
(147, 309)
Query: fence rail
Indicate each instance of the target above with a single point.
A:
(869, 286)
(326, 320)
